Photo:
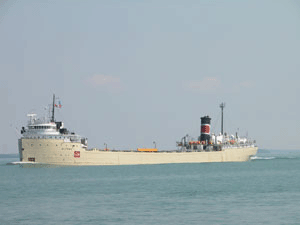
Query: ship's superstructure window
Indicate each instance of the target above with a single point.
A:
(41, 127)
(31, 159)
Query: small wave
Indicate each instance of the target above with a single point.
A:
(19, 163)
(290, 157)
(272, 157)
(261, 158)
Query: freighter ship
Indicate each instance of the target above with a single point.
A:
(47, 141)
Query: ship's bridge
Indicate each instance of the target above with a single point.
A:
(43, 129)
(41, 126)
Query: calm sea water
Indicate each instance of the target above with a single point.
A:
(265, 190)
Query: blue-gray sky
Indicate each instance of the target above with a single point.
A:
(133, 72)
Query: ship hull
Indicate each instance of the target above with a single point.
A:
(58, 152)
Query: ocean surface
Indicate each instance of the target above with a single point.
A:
(265, 190)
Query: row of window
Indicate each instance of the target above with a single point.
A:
(40, 145)
(40, 127)
(48, 145)
(49, 137)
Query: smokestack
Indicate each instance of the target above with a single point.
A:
(205, 128)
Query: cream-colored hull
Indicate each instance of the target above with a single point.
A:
(58, 152)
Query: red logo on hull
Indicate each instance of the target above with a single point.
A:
(77, 154)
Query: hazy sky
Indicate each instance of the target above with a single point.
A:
(132, 72)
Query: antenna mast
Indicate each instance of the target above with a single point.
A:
(53, 105)
(222, 106)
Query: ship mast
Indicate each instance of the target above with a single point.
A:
(53, 105)
(222, 106)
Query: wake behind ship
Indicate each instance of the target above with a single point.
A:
(47, 141)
